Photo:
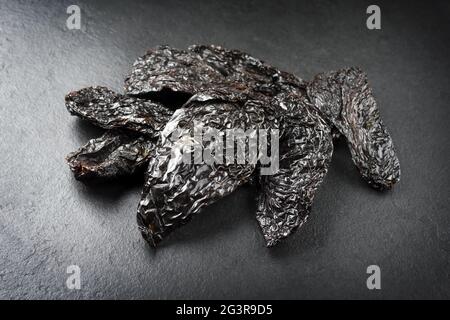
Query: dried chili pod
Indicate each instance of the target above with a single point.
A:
(169, 68)
(116, 153)
(306, 148)
(107, 109)
(346, 101)
(205, 67)
(177, 188)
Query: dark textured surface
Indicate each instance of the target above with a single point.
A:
(346, 99)
(48, 220)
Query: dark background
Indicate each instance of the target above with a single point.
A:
(49, 220)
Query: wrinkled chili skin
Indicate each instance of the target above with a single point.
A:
(117, 153)
(201, 68)
(346, 100)
(222, 89)
(224, 74)
(306, 148)
(133, 126)
(110, 110)
(174, 190)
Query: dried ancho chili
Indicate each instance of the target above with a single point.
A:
(174, 92)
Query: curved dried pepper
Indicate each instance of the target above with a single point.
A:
(285, 199)
(346, 100)
(114, 154)
(109, 110)
(201, 68)
(175, 189)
